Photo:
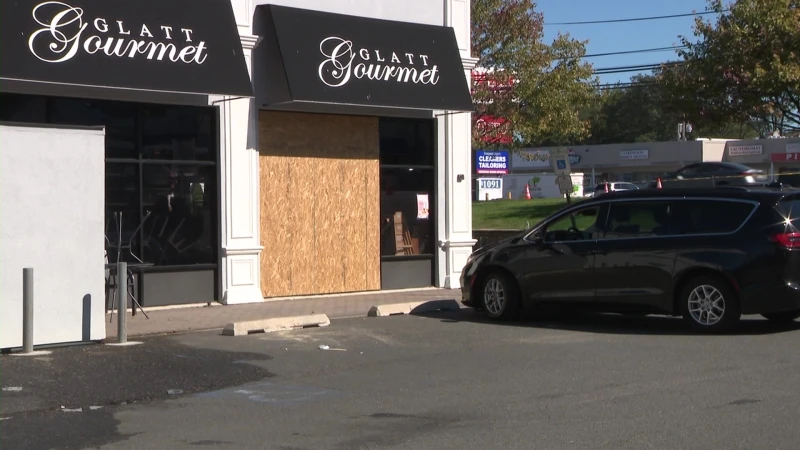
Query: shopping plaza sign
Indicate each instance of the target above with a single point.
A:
(491, 161)
(540, 158)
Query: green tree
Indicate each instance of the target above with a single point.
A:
(643, 111)
(744, 67)
(537, 88)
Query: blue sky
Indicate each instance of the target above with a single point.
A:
(614, 37)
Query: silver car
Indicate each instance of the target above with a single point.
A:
(600, 189)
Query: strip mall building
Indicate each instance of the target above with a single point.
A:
(645, 161)
(253, 148)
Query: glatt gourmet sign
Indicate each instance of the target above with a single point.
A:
(344, 61)
(65, 32)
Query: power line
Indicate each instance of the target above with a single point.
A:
(635, 19)
(631, 52)
(636, 68)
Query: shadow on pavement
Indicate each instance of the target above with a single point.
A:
(608, 323)
(71, 393)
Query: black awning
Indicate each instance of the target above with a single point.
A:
(118, 48)
(312, 57)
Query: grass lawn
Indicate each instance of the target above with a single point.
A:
(513, 214)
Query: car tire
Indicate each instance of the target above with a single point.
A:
(709, 305)
(782, 317)
(499, 296)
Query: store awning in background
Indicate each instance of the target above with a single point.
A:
(143, 50)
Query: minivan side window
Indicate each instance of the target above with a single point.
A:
(711, 216)
(580, 225)
(639, 219)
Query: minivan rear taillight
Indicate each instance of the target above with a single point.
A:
(787, 240)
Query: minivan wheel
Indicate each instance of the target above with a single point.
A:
(500, 296)
(782, 317)
(708, 304)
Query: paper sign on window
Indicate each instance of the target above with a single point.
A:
(422, 206)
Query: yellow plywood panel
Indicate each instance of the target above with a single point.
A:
(301, 218)
(373, 224)
(329, 251)
(321, 216)
(274, 226)
(355, 226)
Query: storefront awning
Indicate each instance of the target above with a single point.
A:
(143, 50)
(310, 58)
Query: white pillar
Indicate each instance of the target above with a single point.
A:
(240, 270)
(454, 226)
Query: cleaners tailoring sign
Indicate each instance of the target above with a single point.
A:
(333, 58)
(144, 45)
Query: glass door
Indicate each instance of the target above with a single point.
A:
(408, 212)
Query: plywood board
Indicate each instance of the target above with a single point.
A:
(329, 251)
(301, 201)
(373, 224)
(328, 197)
(355, 227)
(276, 257)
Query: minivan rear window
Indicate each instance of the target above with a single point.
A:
(711, 216)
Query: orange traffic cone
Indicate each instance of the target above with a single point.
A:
(658, 183)
(527, 192)
(606, 186)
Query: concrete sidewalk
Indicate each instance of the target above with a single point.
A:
(217, 316)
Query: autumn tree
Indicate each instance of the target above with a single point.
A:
(744, 66)
(526, 91)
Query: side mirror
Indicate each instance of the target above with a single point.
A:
(534, 239)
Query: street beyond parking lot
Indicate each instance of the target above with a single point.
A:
(442, 381)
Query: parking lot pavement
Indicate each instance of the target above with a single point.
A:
(453, 380)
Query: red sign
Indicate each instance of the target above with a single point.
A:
(493, 130)
(492, 81)
(785, 157)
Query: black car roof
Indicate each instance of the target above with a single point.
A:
(745, 193)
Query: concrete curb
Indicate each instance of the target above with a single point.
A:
(275, 324)
(393, 309)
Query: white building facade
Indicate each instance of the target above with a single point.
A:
(244, 275)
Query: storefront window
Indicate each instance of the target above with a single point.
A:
(407, 142)
(407, 220)
(177, 133)
(22, 108)
(407, 183)
(179, 194)
(179, 227)
(119, 120)
(122, 211)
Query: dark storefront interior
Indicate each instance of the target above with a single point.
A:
(407, 175)
(161, 175)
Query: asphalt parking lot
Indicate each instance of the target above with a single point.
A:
(442, 381)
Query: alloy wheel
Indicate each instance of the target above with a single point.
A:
(706, 305)
(494, 296)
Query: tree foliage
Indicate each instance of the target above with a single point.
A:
(744, 67)
(640, 111)
(531, 89)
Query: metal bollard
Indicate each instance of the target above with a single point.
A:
(27, 310)
(122, 302)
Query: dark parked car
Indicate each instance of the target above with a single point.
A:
(709, 255)
(710, 174)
